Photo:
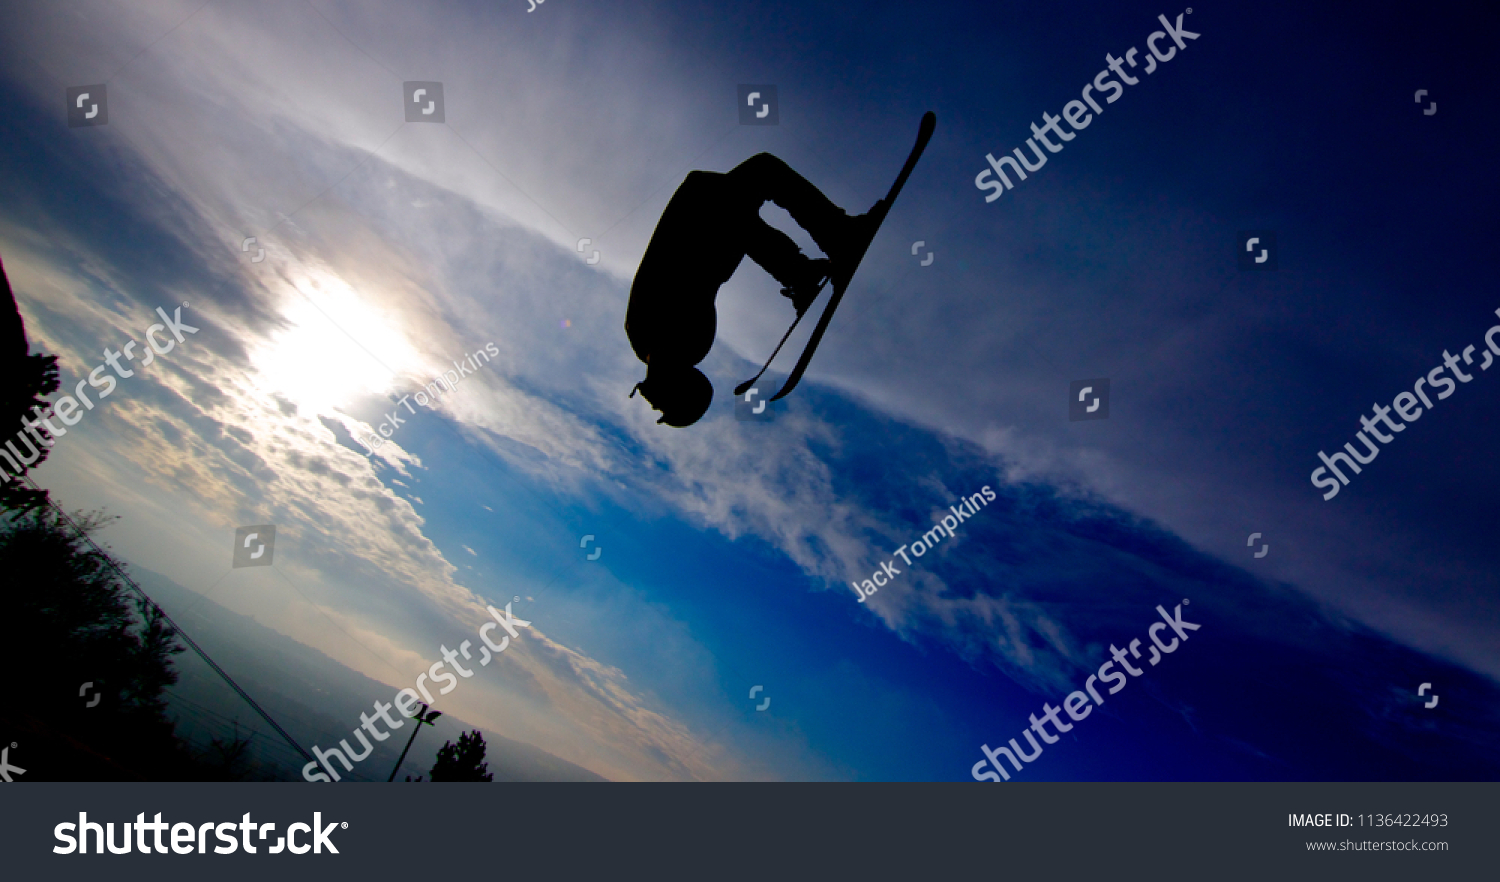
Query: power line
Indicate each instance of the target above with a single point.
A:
(278, 751)
(178, 629)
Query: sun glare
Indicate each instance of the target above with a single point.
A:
(338, 348)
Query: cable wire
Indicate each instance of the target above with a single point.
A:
(175, 627)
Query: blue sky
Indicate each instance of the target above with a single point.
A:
(394, 248)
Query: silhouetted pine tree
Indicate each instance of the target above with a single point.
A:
(463, 761)
(25, 380)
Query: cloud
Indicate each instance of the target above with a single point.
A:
(394, 249)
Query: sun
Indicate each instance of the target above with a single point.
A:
(336, 347)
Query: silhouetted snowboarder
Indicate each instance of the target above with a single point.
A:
(711, 223)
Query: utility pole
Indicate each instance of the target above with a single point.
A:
(422, 716)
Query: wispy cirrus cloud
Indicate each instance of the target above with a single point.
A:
(394, 248)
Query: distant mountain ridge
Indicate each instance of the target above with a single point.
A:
(316, 699)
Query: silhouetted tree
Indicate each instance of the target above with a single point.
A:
(96, 660)
(463, 761)
(25, 382)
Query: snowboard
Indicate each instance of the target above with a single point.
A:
(842, 274)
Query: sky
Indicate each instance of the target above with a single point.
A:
(394, 248)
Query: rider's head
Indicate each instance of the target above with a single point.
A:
(680, 392)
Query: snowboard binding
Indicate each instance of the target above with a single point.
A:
(846, 257)
(804, 293)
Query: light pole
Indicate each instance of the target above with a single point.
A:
(421, 716)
